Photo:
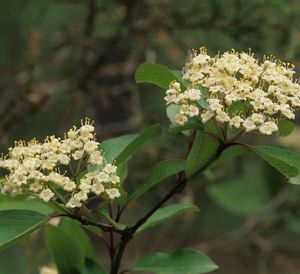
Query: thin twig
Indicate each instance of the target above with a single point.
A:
(129, 232)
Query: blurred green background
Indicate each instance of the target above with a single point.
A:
(61, 61)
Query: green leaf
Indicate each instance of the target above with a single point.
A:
(285, 161)
(244, 195)
(158, 173)
(137, 143)
(203, 151)
(123, 198)
(91, 267)
(178, 74)
(167, 212)
(204, 95)
(113, 147)
(190, 124)
(182, 261)
(122, 171)
(158, 75)
(285, 127)
(79, 235)
(171, 111)
(211, 127)
(15, 224)
(67, 253)
(238, 107)
(229, 153)
(24, 202)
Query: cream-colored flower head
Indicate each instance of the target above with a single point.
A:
(61, 166)
(236, 89)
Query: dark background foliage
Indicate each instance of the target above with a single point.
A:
(61, 61)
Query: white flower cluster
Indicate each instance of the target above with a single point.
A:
(266, 89)
(60, 166)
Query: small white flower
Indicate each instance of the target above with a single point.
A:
(78, 154)
(63, 159)
(175, 85)
(46, 194)
(103, 177)
(268, 128)
(48, 164)
(96, 158)
(85, 187)
(69, 185)
(193, 94)
(64, 148)
(249, 125)
(35, 187)
(206, 116)
(257, 118)
(86, 131)
(72, 133)
(81, 196)
(97, 188)
(193, 111)
(113, 193)
(74, 202)
(180, 119)
(236, 121)
(90, 146)
(222, 117)
(109, 168)
(114, 179)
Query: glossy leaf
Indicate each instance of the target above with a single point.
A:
(74, 229)
(285, 161)
(67, 253)
(8, 202)
(123, 198)
(158, 75)
(171, 111)
(122, 171)
(178, 74)
(137, 143)
(203, 151)
(211, 127)
(16, 224)
(204, 95)
(113, 147)
(190, 124)
(183, 261)
(229, 153)
(242, 195)
(285, 127)
(158, 173)
(167, 212)
(239, 107)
